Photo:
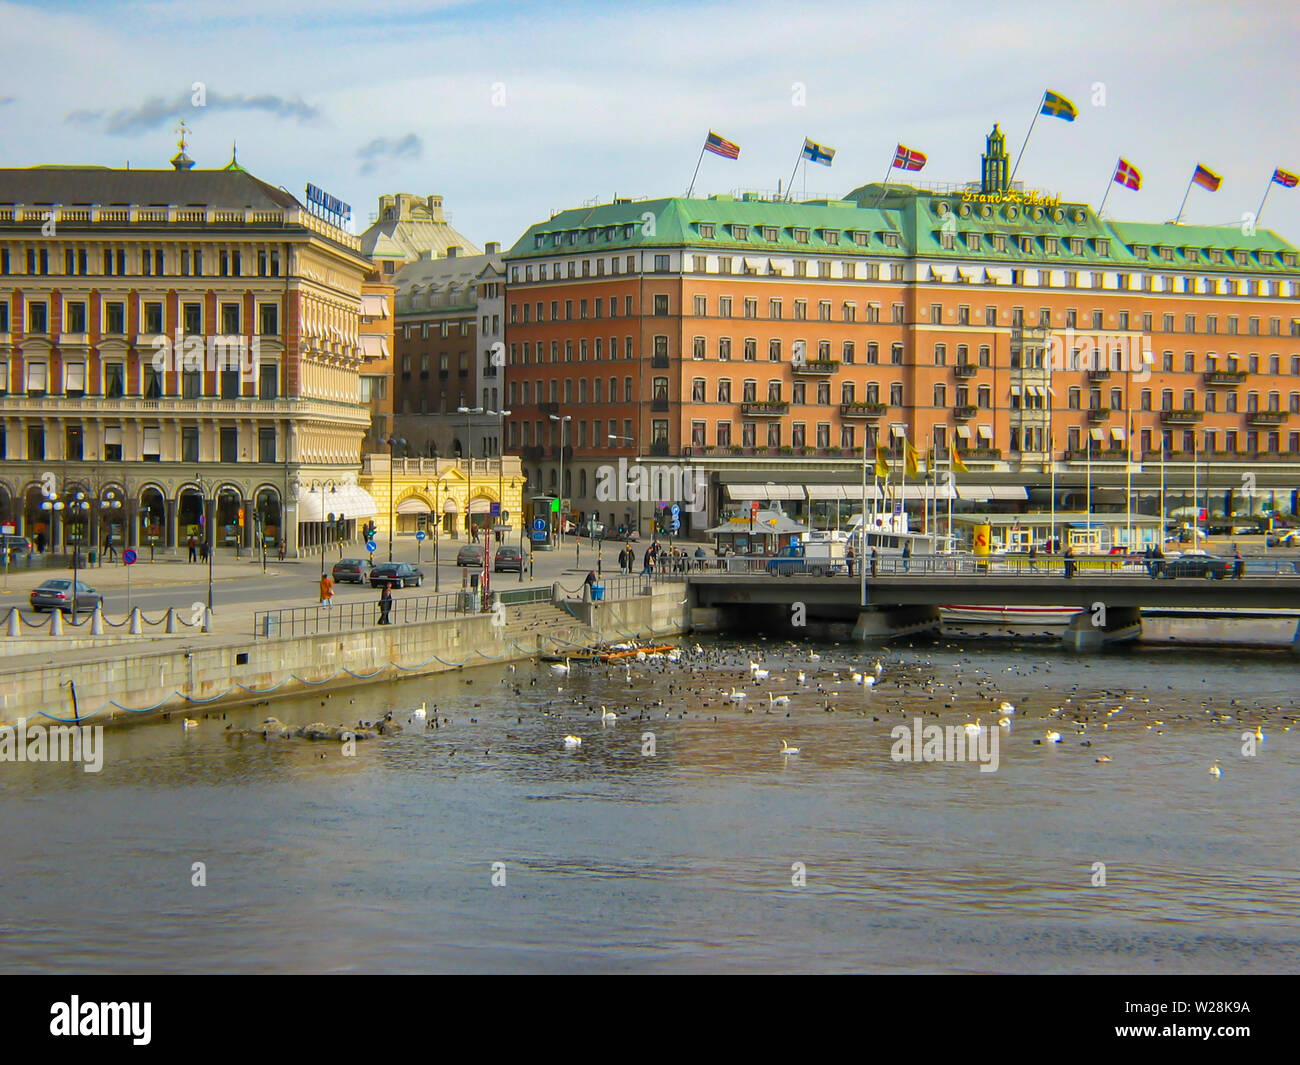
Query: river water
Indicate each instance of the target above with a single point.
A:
(685, 859)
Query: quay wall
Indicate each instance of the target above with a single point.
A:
(196, 674)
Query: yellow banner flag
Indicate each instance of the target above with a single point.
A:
(882, 466)
(957, 465)
(910, 455)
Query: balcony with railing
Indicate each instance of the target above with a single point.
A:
(981, 454)
(965, 370)
(862, 410)
(1266, 417)
(1098, 414)
(769, 408)
(1225, 378)
(1181, 417)
(1100, 373)
(659, 448)
(548, 408)
(816, 366)
(964, 413)
(659, 404)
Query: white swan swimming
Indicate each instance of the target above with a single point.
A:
(757, 672)
(1006, 708)
(777, 700)
(1053, 736)
(190, 723)
(868, 683)
(787, 749)
(736, 696)
(973, 728)
(800, 678)
(607, 715)
(856, 678)
(1004, 722)
(570, 742)
(556, 667)
(420, 712)
(1215, 771)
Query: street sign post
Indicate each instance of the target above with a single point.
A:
(128, 560)
(419, 542)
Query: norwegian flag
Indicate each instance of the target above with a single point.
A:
(907, 159)
(1128, 175)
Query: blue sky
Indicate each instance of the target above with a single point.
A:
(514, 110)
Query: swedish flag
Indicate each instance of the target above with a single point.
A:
(1057, 106)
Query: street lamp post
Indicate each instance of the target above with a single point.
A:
(210, 514)
(392, 442)
(467, 452)
(559, 538)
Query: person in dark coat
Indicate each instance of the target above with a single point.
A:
(193, 545)
(385, 602)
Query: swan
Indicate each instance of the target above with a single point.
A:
(1004, 722)
(879, 669)
(736, 696)
(813, 656)
(1259, 732)
(1006, 708)
(1215, 771)
(787, 749)
(973, 728)
(1103, 759)
(607, 715)
(561, 669)
(868, 683)
(1053, 736)
(190, 723)
(571, 742)
(800, 678)
(856, 678)
(420, 712)
(759, 674)
(778, 700)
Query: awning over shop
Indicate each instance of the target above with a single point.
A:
(413, 506)
(374, 306)
(480, 506)
(765, 491)
(982, 493)
(349, 500)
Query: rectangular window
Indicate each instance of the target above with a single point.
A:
(37, 318)
(114, 380)
(189, 443)
(229, 385)
(269, 319)
(35, 442)
(229, 445)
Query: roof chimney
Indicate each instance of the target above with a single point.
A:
(492, 247)
(453, 250)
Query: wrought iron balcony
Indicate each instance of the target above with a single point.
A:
(965, 369)
(862, 410)
(1098, 414)
(964, 413)
(1266, 417)
(1181, 417)
(1225, 378)
(816, 366)
(766, 408)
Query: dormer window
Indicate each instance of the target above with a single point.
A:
(1167, 254)
(1103, 247)
(946, 239)
(1051, 245)
(706, 230)
(1193, 256)
(999, 242)
(740, 232)
(1076, 245)
(891, 240)
(801, 236)
(1027, 245)
(769, 233)
(1243, 258)
(831, 236)
(1289, 258)
(540, 241)
(1216, 256)
(1140, 251)
(861, 239)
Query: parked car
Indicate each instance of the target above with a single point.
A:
(15, 544)
(1283, 539)
(470, 555)
(1197, 564)
(56, 594)
(402, 574)
(349, 571)
(508, 559)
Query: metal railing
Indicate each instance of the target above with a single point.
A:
(348, 617)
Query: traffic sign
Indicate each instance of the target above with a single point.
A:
(674, 525)
(420, 535)
(539, 525)
(128, 557)
(494, 509)
(676, 512)
(371, 546)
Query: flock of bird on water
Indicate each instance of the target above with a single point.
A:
(853, 689)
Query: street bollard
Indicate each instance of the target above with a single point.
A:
(171, 620)
(97, 620)
(15, 622)
(56, 623)
(136, 629)
(207, 620)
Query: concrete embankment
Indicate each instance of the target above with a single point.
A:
(113, 683)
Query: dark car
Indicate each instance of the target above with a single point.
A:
(470, 555)
(1210, 567)
(402, 574)
(349, 571)
(15, 544)
(56, 594)
(508, 559)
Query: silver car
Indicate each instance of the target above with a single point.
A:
(56, 594)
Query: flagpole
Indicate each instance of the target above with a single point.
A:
(1110, 185)
(1051, 443)
(952, 478)
(1267, 189)
(1037, 111)
(1178, 217)
(862, 527)
(789, 192)
(697, 169)
(884, 184)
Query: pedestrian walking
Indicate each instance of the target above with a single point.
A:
(280, 551)
(327, 590)
(40, 543)
(850, 558)
(1033, 557)
(907, 557)
(385, 602)
(1069, 562)
(648, 562)
(1238, 563)
(193, 545)
(205, 549)
(875, 561)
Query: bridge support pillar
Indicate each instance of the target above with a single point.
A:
(1088, 631)
(705, 619)
(1295, 640)
(886, 623)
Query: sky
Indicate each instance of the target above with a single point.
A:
(515, 110)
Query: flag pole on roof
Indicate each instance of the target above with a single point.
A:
(1281, 177)
(718, 146)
